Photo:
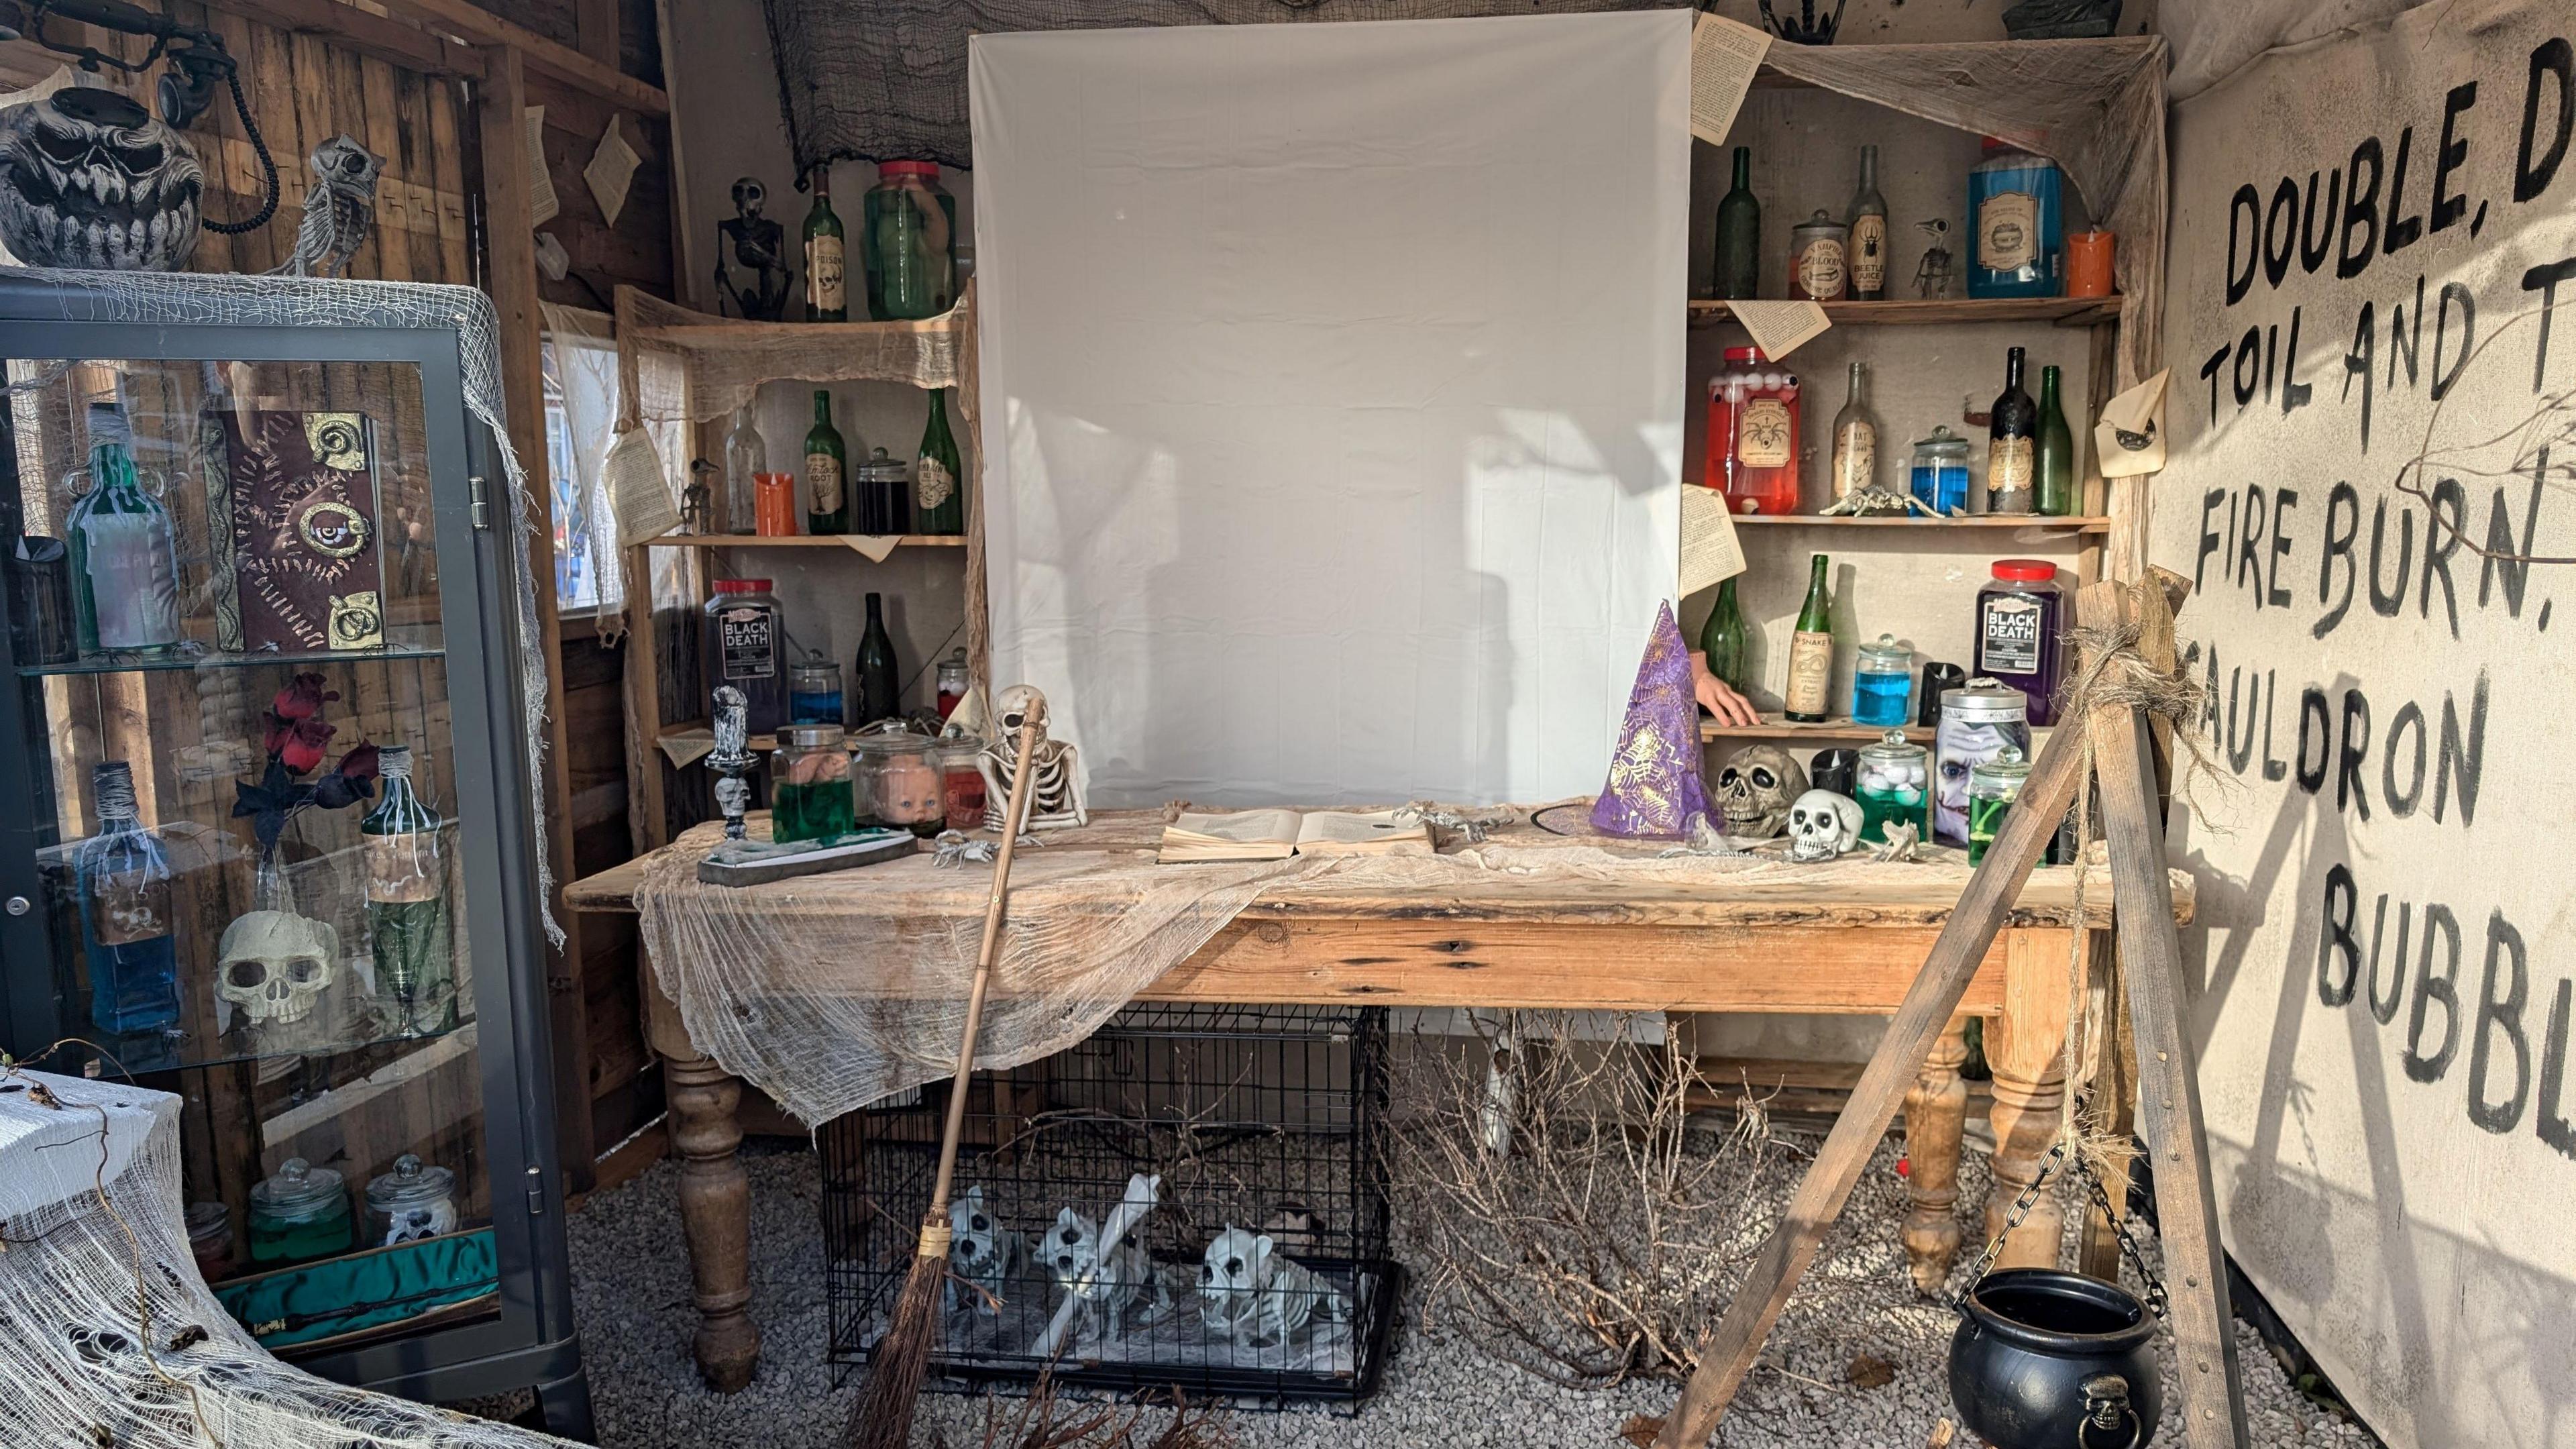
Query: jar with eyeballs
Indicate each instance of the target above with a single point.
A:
(414, 1201)
(1882, 682)
(1894, 786)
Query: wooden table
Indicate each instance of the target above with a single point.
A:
(1772, 945)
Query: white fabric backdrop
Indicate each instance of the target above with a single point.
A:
(1334, 396)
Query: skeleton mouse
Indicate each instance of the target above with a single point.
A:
(1124, 1283)
(989, 1259)
(1251, 1291)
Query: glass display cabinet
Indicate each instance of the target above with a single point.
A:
(264, 806)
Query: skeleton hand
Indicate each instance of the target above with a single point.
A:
(1717, 696)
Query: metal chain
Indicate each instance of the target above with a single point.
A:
(2157, 1300)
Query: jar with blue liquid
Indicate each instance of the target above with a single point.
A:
(1883, 683)
(1939, 479)
(2016, 224)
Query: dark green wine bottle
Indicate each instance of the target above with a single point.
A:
(827, 292)
(1739, 234)
(1722, 638)
(880, 691)
(938, 494)
(2012, 444)
(1811, 652)
(2056, 451)
(827, 472)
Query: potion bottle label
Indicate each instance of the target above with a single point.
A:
(824, 289)
(2008, 231)
(748, 641)
(823, 476)
(129, 906)
(2008, 637)
(1869, 254)
(1762, 434)
(403, 867)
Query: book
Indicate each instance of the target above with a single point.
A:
(1279, 834)
(298, 491)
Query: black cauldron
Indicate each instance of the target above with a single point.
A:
(2051, 1360)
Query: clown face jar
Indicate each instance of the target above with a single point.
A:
(1978, 723)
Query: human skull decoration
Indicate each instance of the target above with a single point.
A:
(1756, 789)
(275, 966)
(88, 178)
(1823, 825)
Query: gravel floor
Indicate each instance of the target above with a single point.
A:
(632, 1280)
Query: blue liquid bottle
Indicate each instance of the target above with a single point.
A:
(125, 914)
(2016, 225)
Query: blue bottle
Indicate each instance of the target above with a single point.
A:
(2016, 225)
(125, 914)
(1883, 683)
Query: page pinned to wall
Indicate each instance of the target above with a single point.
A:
(1711, 553)
(543, 204)
(1725, 56)
(611, 172)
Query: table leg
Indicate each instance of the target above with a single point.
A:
(2024, 1047)
(1936, 1115)
(715, 1196)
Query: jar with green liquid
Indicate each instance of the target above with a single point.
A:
(809, 794)
(1993, 785)
(299, 1215)
(407, 904)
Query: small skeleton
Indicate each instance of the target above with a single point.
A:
(1055, 773)
(1932, 274)
(1125, 1282)
(1902, 841)
(1877, 502)
(759, 246)
(1252, 1292)
(985, 1256)
(339, 209)
(1822, 825)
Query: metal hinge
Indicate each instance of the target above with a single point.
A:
(481, 511)
(536, 1192)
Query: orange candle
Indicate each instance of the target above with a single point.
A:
(773, 500)
(2088, 264)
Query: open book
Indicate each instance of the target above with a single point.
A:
(1278, 834)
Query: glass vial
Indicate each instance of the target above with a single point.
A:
(125, 561)
(1855, 466)
(1868, 221)
(746, 457)
(126, 926)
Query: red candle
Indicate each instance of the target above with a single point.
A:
(2088, 264)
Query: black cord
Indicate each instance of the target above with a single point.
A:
(267, 168)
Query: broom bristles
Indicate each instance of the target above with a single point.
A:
(882, 1418)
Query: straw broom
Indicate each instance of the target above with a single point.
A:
(883, 1417)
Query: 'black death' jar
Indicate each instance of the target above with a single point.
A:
(2050, 1360)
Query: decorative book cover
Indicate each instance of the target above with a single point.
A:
(307, 562)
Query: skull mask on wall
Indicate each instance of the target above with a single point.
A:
(276, 965)
(89, 179)
(1756, 789)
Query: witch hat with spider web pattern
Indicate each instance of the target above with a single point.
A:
(1654, 786)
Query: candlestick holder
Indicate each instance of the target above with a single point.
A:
(733, 759)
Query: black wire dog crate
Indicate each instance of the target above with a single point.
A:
(1262, 1273)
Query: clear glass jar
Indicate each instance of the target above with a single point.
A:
(745, 645)
(412, 1202)
(1882, 682)
(961, 782)
(1819, 259)
(953, 679)
(1894, 785)
(884, 487)
(898, 782)
(810, 792)
(299, 1215)
(1979, 721)
(1753, 434)
(814, 690)
(1939, 478)
(2016, 224)
(910, 242)
(1992, 787)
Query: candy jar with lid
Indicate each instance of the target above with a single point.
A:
(1819, 267)
(952, 681)
(1992, 787)
(810, 796)
(1753, 434)
(412, 1202)
(1882, 682)
(2021, 621)
(898, 774)
(910, 244)
(299, 1215)
(1939, 479)
(1894, 785)
(814, 690)
(745, 646)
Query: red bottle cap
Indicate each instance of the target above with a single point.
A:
(742, 586)
(2025, 570)
(1745, 354)
(929, 169)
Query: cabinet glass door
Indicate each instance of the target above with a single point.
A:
(232, 660)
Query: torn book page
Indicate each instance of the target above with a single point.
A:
(1725, 54)
(542, 203)
(612, 170)
(1710, 550)
(1780, 328)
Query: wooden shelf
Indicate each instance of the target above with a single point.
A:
(1773, 727)
(1975, 523)
(2064, 311)
(796, 540)
(734, 332)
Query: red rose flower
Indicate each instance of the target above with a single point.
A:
(302, 698)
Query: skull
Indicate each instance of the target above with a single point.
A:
(1755, 790)
(974, 1241)
(1016, 704)
(89, 179)
(1235, 1266)
(1072, 1245)
(275, 965)
(1823, 825)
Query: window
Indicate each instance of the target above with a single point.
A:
(580, 365)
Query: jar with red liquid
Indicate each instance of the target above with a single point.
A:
(952, 682)
(961, 782)
(1753, 434)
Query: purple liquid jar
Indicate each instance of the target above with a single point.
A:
(2020, 632)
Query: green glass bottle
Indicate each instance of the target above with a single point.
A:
(1739, 234)
(880, 693)
(827, 293)
(2055, 461)
(939, 499)
(407, 904)
(124, 555)
(1808, 694)
(827, 472)
(1722, 638)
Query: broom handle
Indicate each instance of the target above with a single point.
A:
(1012, 815)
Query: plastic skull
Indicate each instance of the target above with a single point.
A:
(276, 964)
(1823, 825)
(1235, 1266)
(1013, 705)
(1756, 789)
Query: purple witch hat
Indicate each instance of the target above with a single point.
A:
(1654, 786)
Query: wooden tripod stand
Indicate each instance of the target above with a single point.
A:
(2124, 743)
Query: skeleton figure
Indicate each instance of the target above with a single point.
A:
(1252, 1292)
(1823, 825)
(1055, 776)
(89, 179)
(1755, 790)
(339, 209)
(984, 1255)
(1932, 274)
(275, 965)
(756, 243)
(1125, 1282)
